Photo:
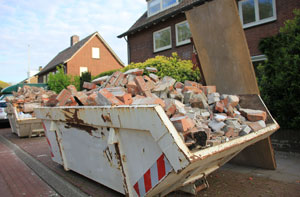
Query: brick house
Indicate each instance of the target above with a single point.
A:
(163, 28)
(91, 54)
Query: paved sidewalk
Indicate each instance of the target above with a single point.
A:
(16, 179)
(288, 168)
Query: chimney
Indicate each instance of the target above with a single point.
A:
(40, 68)
(74, 39)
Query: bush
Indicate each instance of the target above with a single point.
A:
(279, 75)
(173, 66)
(58, 81)
(85, 77)
(110, 72)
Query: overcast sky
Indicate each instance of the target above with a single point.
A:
(47, 25)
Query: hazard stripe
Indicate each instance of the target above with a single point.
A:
(161, 169)
(153, 176)
(147, 181)
(136, 188)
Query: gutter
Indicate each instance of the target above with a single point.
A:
(181, 10)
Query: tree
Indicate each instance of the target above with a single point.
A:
(58, 81)
(280, 73)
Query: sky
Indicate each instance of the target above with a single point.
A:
(33, 32)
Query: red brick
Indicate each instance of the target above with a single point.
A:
(71, 102)
(82, 97)
(141, 84)
(148, 101)
(183, 124)
(92, 99)
(126, 98)
(193, 89)
(110, 97)
(89, 86)
(219, 107)
(170, 108)
(192, 83)
(63, 97)
(119, 79)
(209, 89)
(179, 85)
(254, 115)
(132, 88)
(72, 89)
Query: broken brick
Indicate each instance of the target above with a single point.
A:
(209, 89)
(179, 85)
(219, 107)
(135, 71)
(254, 115)
(154, 77)
(89, 86)
(148, 101)
(193, 89)
(258, 125)
(125, 98)
(72, 89)
(63, 97)
(107, 98)
(183, 123)
(151, 69)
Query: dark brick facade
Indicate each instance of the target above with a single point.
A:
(141, 43)
(284, 10)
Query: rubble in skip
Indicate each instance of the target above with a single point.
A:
(29, 97)
(201, 115)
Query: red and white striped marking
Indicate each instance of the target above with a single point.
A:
(48, 140)
(153, 176)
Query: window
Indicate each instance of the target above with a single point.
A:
(95, 53)
(82, 70)
(183, 33)
(255, 12)
(162, 39)
(155, 6)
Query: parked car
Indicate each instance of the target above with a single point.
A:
(3, 116)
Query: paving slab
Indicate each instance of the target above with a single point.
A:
(17, 179)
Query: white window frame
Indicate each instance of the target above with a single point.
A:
(82, 70)
(165, 47)
(161, 7)
(258, 58)
(182, 42)
(95, 52)
(256, 10)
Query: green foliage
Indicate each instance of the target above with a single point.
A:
(76, 82)
(173, 66)
(279, 75)
(110, 72)
(58, 81)
(85, 77)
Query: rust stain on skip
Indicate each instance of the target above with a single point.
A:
(73, 121)
(106, 118)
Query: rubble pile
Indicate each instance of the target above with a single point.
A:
(201, 115)
(29, 97)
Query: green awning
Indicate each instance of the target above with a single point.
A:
(14, 88)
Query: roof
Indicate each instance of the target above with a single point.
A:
(67, 54)
(144, 21)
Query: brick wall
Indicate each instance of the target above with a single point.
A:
(84, 59)
(284, 9)
(141, 43)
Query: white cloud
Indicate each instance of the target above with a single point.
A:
(47, 26)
